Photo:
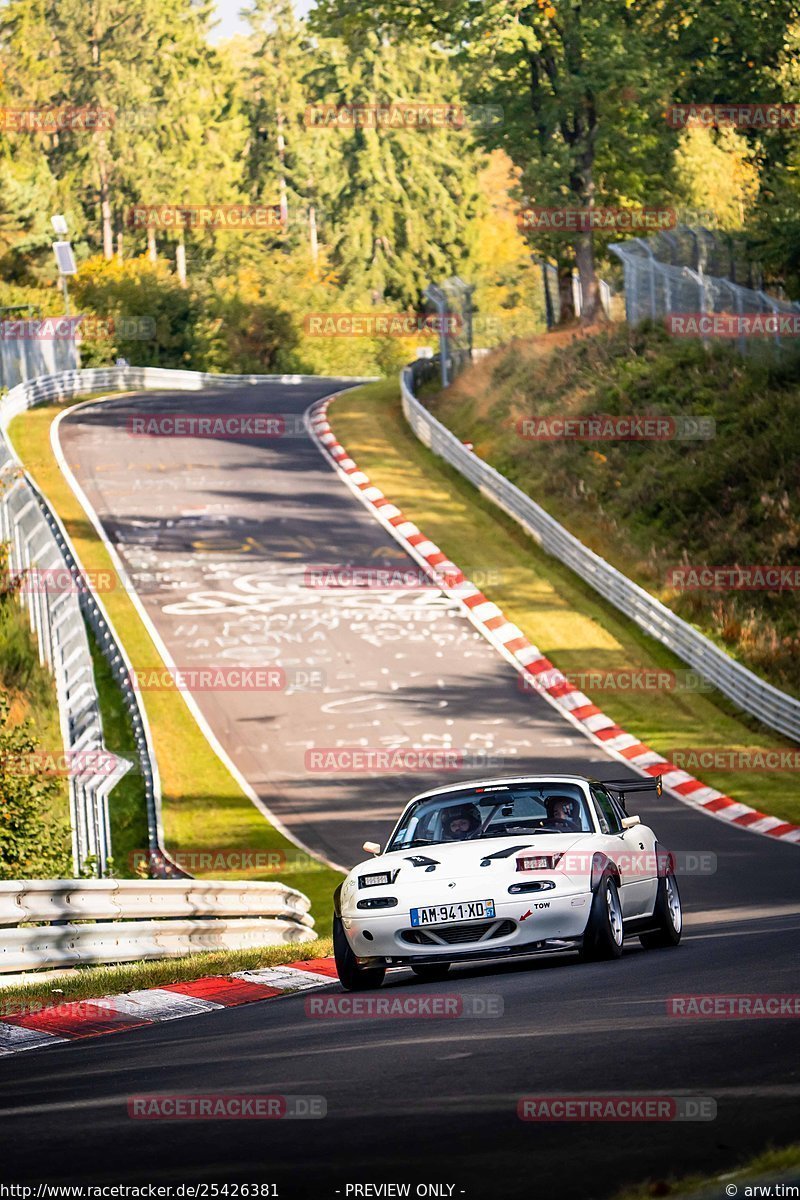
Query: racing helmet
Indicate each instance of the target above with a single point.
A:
(464, 812)
(569, 803)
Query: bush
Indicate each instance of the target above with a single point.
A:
(154, 318)
(33, 844)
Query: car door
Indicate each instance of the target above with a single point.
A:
(633, 850)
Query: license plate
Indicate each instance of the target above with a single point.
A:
(442, 914)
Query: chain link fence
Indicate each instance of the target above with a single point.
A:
(460, 327)
(671, 277)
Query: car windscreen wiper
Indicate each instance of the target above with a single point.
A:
(517, 833)
(414, 842)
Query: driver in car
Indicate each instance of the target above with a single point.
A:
(563, 814)
(460, 823)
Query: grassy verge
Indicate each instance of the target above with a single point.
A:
(773, 1165)
(652, 505)
(205, 810)
(128, 802)
(560, 614)
(32, 698)
(88, 983)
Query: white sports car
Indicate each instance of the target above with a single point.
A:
(504, 867)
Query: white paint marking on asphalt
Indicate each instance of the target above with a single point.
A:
(157, 1004)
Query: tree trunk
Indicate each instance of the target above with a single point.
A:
(566, 298)
(180, 262)
(284, 199)
(105, 212)
(152, 252)
(591, 306)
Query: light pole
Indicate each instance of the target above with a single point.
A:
(65, 259)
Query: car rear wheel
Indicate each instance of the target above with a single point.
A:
(352, 977)
(668, 916)
(432, 972)
(604, 933)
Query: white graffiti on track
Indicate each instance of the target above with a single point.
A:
(261, 594)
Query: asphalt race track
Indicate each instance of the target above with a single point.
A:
(222, 540)
(218, 536)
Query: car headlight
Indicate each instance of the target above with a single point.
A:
(538, 862)
(378, 902)
(378, 879)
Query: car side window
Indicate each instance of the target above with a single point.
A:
(609, 821)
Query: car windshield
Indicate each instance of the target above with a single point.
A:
(502, 811)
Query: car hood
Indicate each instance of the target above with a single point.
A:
(455, 860)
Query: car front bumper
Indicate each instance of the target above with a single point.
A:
(538, 924)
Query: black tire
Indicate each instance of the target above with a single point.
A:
(604, 932)
(352, 977)
(668, 916)
(432, 972)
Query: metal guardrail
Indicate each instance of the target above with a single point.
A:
(38, 540)
(126, 920)
(24, 357)
(54, 609)
(773, 707)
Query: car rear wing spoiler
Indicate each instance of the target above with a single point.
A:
(621, 786)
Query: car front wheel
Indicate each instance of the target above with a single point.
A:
(352, 977)
(604, 934)
(668, 916)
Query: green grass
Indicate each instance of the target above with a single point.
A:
(32, 695)
(649, 506)
(556, 610)
(773, 1164)
(127, 803)
(88, 983)
(204, 808)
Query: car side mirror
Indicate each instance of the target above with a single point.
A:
(374, 847)
(627, 823)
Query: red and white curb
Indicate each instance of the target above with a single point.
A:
(527, 659)
(54, 1024)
